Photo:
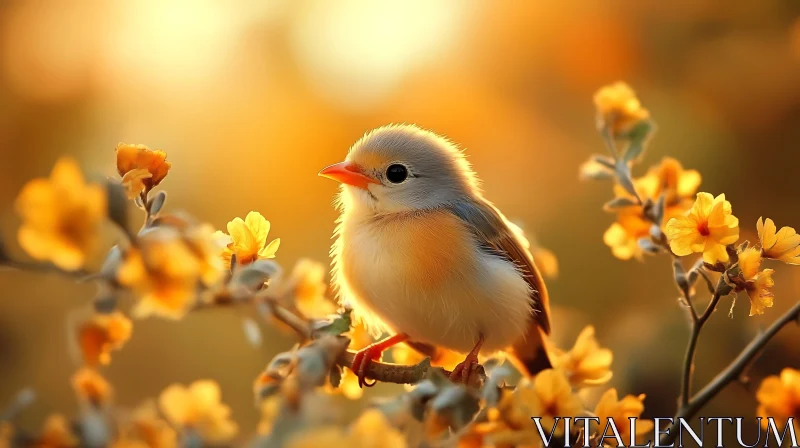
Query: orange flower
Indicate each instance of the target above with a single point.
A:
(133, 159)
(708, 228)
(779, 397)
(247, 239)
(548, 395)
(618, 108)
(783, 245)
(306, 285)
(610, 406)
(57, 433)
(91, 387)
(102, 334)
(586, 364)
(61, 216)
(165, 269)
(199, 407)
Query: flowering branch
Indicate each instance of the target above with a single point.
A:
(731, 373)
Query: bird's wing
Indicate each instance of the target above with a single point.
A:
(497, 235)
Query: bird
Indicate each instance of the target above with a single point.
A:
(420, 254)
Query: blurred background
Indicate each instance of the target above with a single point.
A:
(250, 101)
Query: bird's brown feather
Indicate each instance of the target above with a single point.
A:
(494, 233)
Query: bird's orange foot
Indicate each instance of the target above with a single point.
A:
(370, 353)
(464, 369)
(362, 361)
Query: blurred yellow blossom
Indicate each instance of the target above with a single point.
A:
(757, 284)
(779, 397)
(371, 430)
(677, 184)
(56, 433)
(708, 228)
(610, 406)
(91, 387)
(199, 408)
(61, 216)
(623, 237)
(247, 239)
(546, 261)
(783, 245)
(308, 287)
(101, 334)
(165, 269)
(618, 108)
(548, 395)
(586, 364)
(146, 426)
(133, 159)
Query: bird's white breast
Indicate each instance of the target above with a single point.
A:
(423, 274)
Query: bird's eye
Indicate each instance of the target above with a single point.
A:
(396, 173)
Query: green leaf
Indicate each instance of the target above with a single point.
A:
(336, 326)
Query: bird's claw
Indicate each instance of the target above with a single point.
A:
(361, 362)
(463, 370)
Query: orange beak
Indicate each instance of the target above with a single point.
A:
(348, 173)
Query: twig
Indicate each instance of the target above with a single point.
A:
(401, 374)
(691, 348)
(731, 373)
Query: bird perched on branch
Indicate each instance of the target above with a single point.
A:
(422, 255)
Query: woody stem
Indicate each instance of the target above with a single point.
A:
(697, 327)
(731, 373)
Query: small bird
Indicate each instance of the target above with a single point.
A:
(420, 254)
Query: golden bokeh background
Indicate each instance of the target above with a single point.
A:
(251, 100)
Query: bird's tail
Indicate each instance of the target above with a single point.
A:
(530, 354)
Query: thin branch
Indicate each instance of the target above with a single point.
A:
(731, 373)
(43, 268)
(402, 374)
(691, 348)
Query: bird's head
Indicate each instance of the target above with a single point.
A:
(401, 168)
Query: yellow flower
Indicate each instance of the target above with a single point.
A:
(760, 292)
(247, 239)
(102, 334)
(371, 430)
(783, 245)
(135, 158)
(165, 269)
(548, 395)
(198, 407)
(147, 427)
(708, 228)
(677, 184)
(624, 241)
(779, 397)
(610, 406)
(56, 433)
(587, 364)
(61, 216)
(91, 387)
(618, 108)
(757, 284)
